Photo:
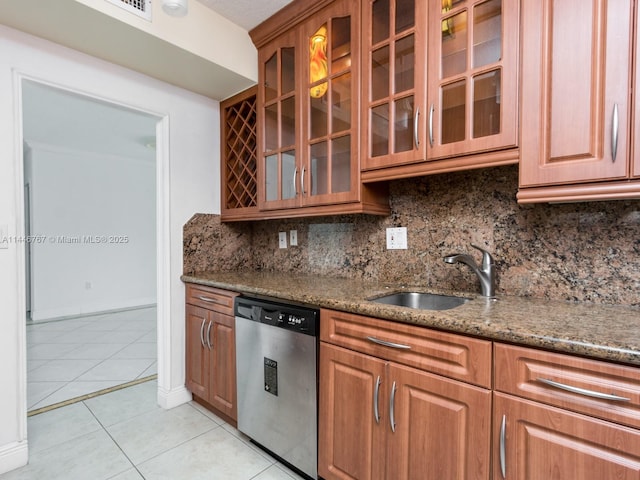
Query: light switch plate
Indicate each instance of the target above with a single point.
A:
(397, 238)
(4, 234)
(282, 239)
(293, 238)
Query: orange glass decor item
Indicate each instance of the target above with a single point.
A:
(318, 66)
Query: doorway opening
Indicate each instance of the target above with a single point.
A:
(90, 244)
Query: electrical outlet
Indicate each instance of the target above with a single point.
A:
(282, 239)
(88, 285)
(397, 238)
(4, 234)
(293, 238)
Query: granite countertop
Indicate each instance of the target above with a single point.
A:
(609, 332)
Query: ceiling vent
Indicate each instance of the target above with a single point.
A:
(141, 8)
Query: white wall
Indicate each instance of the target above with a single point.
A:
(188, 182)
(93, 226)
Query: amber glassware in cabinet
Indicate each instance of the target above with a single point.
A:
(394, 80)
(239, 155)
(472, 76)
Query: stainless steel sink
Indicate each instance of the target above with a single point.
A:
(422, 301)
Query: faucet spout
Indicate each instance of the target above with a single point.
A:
(485, 271)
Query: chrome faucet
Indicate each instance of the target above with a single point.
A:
(486, 272)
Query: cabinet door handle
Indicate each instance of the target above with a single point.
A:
(583, 391)
(385, 343)
(295, 185)
(431, 125)
(209, 335)
(202, 331)
(615, 124)
(416, 137)
(211, 300)
(304, 192)
(376, 396)
(392, 404)
(503, 447)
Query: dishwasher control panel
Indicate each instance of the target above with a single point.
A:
(301, 319)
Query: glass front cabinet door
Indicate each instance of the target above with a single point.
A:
(394, 82)
(472, 76)
(331, 170)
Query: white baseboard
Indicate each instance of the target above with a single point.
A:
(13, 455)
(95, 309)
(172, 398)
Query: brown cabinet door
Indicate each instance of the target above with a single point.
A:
(222, 382)
(576, 57)
(542, 443)
(393, 82)
(330, 57)
(472, 76)
(351, 441)
(197, 363)
(442, 427)
(278, 115)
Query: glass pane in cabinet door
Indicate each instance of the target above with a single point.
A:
(271, 127)
(318, 117)
(319, 169)
(340, 44)
(271, 78)
(341, 164)
(403, 125)
(487, 33)
(486, 104)
(288, 119)
(454, 45)
(405, 60)
(380, 130)
(405, 15)
(271, 177)
(380, 15)
(380, 73)
(453, 112)
(341, 103)
(288, 177)
(288, 70)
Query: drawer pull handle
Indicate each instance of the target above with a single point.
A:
(211, 300)
(503, 447)
(204, 320)
(392, 406)
(376, 396)
(583, 391)
(388, 344)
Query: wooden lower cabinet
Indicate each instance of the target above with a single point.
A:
(211, 358)
(547, 443)
(383, 420)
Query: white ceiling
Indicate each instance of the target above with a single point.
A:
(246, 13)
(52, 116)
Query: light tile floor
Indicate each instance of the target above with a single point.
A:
(124, 435)
(73, 357)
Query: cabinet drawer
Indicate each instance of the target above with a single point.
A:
(580, 385)
(211, 298)
(451, 355)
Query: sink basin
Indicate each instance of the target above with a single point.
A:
(422, 301)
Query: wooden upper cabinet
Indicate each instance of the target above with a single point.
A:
(576, 79)
(277, 116)
(472, 76)
(330, 56)
(394, 82)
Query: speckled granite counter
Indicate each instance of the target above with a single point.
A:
(597, 331)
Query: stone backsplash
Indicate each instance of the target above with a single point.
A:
(580, 251)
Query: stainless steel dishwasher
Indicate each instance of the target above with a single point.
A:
(276, 363)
